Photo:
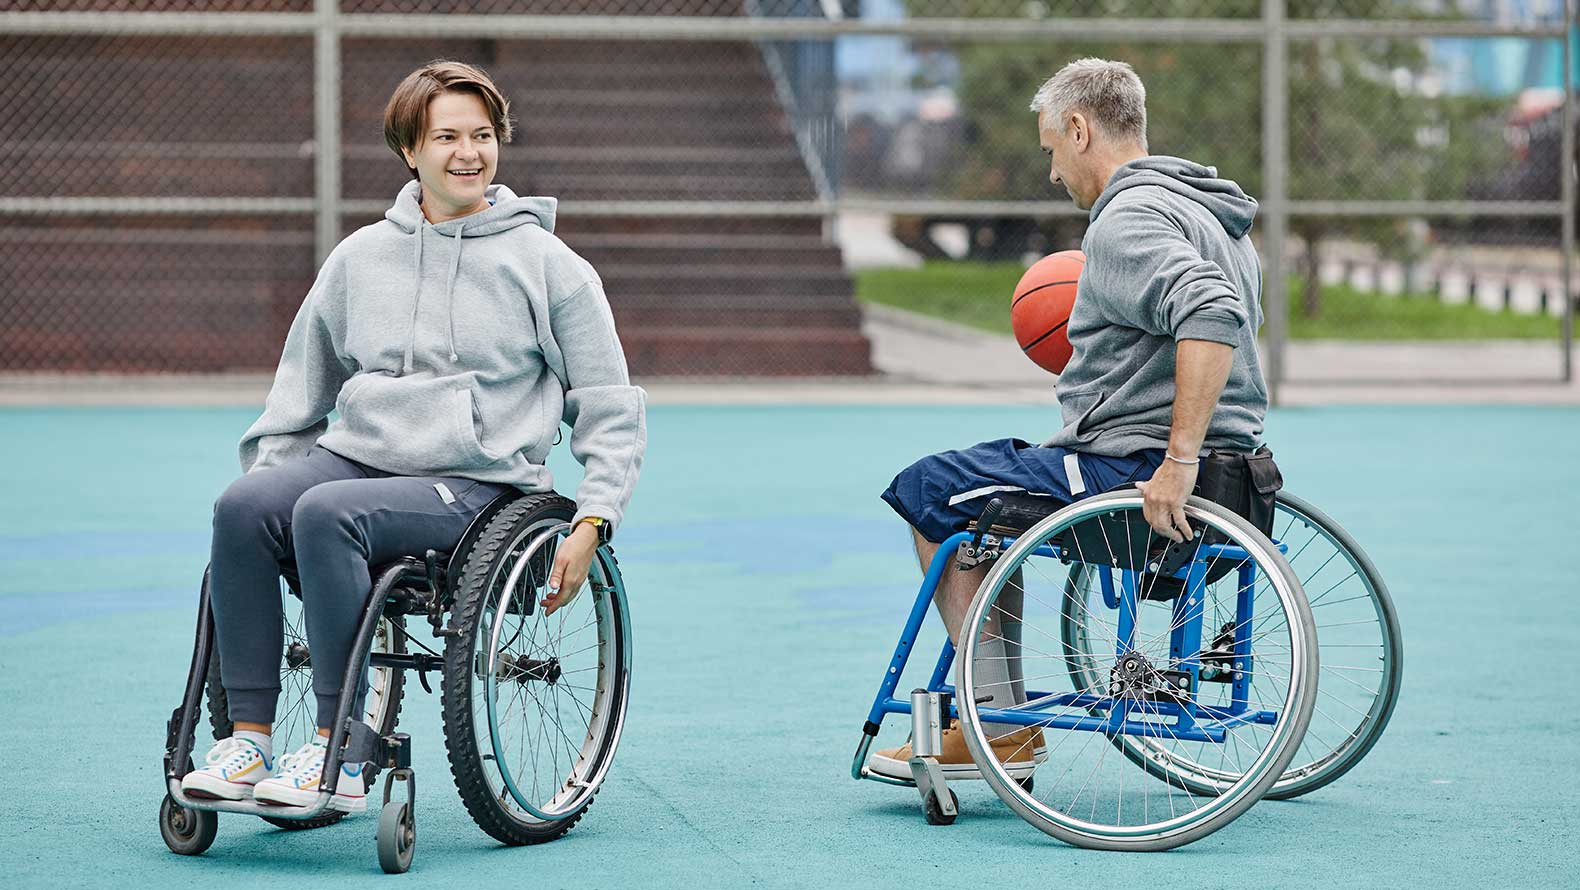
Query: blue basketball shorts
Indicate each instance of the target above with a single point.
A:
(940, 494)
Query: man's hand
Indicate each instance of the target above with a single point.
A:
(1163, 502)
(571, 563)
(1201, 368)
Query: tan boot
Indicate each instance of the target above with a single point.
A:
(1019, 752)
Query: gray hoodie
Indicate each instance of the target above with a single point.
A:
(456, 350)
(1168, 258)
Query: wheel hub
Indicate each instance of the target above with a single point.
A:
(526, 670)
(298, 656)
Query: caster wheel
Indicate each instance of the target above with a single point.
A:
(935, 814)
(188, 832)
(1025, 783)
(397, 837)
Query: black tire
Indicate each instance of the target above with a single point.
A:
(219, 718)
(486, 566)
(185, 831)
(935, 814)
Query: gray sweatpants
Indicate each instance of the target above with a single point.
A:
(334, 520)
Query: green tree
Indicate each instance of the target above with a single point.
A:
(1359, 126)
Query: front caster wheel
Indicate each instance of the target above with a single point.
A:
(935, 814)
(188, 832)
(397, 837)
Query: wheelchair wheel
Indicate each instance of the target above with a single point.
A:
(295, 715)
(533, 706)
(1358, 641)
(187, 832)
(1148, 669)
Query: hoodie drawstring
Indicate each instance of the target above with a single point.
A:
(449, 293)
(449, 301)
(416, 301)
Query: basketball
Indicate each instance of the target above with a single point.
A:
(1040, 312)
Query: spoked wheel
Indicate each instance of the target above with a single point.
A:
(295, 715)
(188, 832)
(1136, 667)
(533, 706)
(1360, 653)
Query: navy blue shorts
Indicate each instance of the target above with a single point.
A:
(940, 494)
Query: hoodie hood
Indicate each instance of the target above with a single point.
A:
(1233, 208)
(507, 212)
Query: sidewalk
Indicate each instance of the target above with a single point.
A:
(922, 360)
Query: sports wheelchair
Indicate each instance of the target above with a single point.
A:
(533, 707)
(1228, 668)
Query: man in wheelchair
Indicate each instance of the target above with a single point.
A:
(452, 337)
(1164, 373)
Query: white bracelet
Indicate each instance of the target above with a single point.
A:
(1188, 463)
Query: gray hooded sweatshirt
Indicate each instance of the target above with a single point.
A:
(456, 350)
(1168, 258)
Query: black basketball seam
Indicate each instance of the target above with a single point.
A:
(1038, 288)
(1051, 331)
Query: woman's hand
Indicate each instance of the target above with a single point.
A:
(571, 563)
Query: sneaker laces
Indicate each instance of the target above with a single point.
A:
(230, 752)
(301, 760)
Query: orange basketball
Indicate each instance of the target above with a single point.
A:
(1040, 313)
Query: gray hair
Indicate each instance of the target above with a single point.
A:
(1109, 93)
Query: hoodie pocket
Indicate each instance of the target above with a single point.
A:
(466, 421)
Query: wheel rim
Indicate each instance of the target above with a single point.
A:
(296, 713)
(1359, 655)
(1083, 793)
(548, 711)
(180, 821)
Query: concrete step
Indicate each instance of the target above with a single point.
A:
(758, 316)
(707, 283)
(614, 187)
(787, 227)
(746, 352)
(712, 8)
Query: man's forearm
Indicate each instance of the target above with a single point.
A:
(1201, 368)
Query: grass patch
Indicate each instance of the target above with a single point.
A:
(978, 294)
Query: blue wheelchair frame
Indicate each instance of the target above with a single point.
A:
(1106, 714)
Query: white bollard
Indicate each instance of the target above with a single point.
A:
(1489, 292)
(1364, 277)
(1525, 296)
(1390, 279)
(1455, 287)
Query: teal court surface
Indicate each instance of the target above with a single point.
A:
(768, 584)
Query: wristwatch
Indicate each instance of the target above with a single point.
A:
(601, 525)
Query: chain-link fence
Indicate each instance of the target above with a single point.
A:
(163, 199)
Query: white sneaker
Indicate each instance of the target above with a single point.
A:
(296, 784)
(234, 767)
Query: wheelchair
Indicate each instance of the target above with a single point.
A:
(533, 707)
(1197, 677)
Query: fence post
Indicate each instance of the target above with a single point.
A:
(1568, 180)
(1275, 112)
(326, 127)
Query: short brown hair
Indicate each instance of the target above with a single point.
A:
(406, 115)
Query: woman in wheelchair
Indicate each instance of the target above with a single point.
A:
(452, 337)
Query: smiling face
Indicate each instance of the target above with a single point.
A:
(455, 158)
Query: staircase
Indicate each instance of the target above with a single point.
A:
(653, 121)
